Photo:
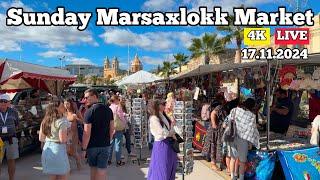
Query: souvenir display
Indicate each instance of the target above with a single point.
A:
(31, 112)
(183, 115)
(139, 122)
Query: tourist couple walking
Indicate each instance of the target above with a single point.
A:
(96, 141)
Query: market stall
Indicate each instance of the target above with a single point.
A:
(31, 88)
(299, 77)
(18, 75)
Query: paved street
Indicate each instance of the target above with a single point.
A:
(29, 167)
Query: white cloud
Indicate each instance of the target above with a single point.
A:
(157, 60)
(54, 54)
(82, 61)
(7, 5)
(227, 5)
(153, 41)
(158, 5)
(56, 37)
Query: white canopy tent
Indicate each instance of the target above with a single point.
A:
(140, 77)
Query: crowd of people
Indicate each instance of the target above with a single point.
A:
(231, 154)
(97, 128)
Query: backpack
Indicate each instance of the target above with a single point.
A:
(231, 130)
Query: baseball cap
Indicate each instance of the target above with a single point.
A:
(5, 97)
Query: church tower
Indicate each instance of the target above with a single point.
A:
(136, 65)
(115, 66)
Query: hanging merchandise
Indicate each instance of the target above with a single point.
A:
(287, 74)
(183, 116)
(248, 79)
(196, 94)
(246, 92)
(139, 124)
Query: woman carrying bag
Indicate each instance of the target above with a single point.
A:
(119, 126)
(164, 158)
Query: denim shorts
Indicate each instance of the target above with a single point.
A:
(12, 150)
(98, 157)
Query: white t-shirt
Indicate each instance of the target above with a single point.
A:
(315, 131)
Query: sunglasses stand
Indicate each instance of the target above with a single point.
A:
(139, 125)
(183, 114)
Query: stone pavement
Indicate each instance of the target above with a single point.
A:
(29, 167)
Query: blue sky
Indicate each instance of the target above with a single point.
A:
(44, 45)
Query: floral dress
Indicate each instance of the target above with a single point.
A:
(213, 142)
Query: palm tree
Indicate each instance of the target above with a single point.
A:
(208, 45)
(80, 79)
(167, 69)
(181, 60)
(94, 79)
(158, 69)
(233, 32)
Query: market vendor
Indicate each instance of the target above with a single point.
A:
(281, 113)
(9, 122)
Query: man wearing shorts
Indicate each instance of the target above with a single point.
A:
(8, 123)
(98, 128)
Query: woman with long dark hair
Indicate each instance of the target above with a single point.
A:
(73, 118)
(163, 159)
(53, 131)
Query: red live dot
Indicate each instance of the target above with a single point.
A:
(294, 36)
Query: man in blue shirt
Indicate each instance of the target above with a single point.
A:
(8, 123)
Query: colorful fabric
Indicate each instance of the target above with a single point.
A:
(260, 165)
(213, 141)
(200, 135)
(300, 164)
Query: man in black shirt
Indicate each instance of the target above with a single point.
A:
(281, 113)
(98, 128)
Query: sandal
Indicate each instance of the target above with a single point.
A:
(120, 163)
(228, 172)
(215, 167)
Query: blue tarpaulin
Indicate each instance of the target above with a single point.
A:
(260, 165)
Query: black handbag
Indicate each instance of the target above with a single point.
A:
(174, 143)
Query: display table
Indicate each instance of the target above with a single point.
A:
(300, 164)
(281, 142)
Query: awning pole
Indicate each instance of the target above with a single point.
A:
(268, 102)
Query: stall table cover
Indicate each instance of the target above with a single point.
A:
(301, 164)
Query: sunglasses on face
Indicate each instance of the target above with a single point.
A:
(3, 101)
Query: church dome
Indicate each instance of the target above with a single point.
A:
(136, 61)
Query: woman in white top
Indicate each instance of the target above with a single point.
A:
(315, 132)
(163, 159)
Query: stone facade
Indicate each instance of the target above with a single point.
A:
(111, 71)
